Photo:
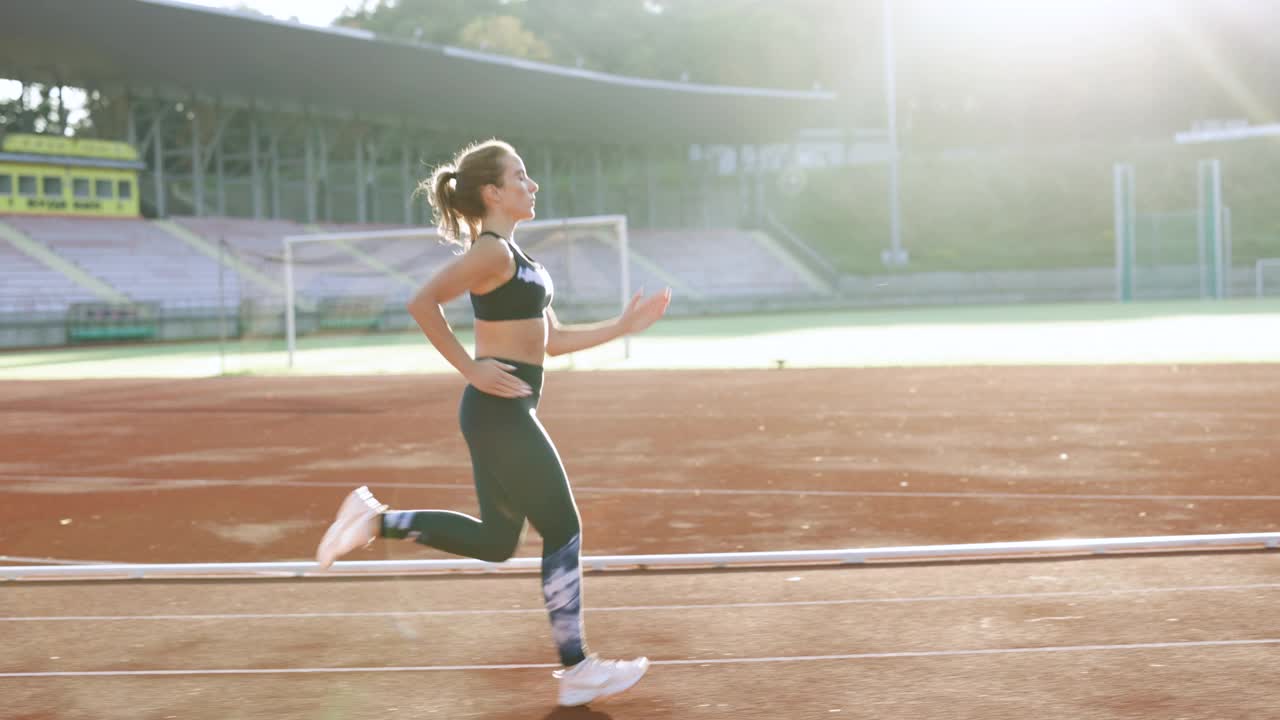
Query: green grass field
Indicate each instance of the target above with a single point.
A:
(1241, 331)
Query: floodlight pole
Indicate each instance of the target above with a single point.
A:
(896, 254)
(1125, 218)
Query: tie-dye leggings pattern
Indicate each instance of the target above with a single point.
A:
(562, 588)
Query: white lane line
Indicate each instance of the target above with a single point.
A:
(923, 494)
(189, 483)
(271, 671)
(989, 651)
(48, 561)
(691, 661)
(652, 608)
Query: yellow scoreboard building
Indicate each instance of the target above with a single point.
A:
(51, 175)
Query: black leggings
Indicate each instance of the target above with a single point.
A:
(518, 475)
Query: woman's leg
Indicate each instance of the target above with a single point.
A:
(492, 537)
(562, 591)
(496, 533)
(518, 474)
(531, 474)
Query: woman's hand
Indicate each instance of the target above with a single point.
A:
(642, 312)
(494, 378)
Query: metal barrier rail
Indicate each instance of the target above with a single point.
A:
(1000, 550)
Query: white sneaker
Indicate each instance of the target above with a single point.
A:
(593, 679)
(353, 527)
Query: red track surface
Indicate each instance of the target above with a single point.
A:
(249, 469)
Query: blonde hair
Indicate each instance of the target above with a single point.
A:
(453, 190)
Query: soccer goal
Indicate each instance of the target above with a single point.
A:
(351, 283)
(1266, 277)
(1172, 254)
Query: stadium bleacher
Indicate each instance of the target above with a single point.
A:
(133, 256)
(29, 286)
(146, 261)
(719, 263)
(256, 243)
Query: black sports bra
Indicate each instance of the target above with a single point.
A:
(525, 295)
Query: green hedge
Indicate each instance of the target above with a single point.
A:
(101, 321)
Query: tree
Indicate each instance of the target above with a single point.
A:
(434, 21)
(757, 43)
(33, 111)
(505, 35)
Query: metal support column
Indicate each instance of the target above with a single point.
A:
(371, 181)
(758, 190)
(896, 255)
(197, 163)
(651, 188)
(406, 181)
(548, 191)
(157, 148)
(1122, 188)
(220, 169)
(130, 121)
(309, 170)
(598, 168)
(1226, 252)
(326, 181)
(362, 200)
(275, 173)
(255, 166)
(214, 152)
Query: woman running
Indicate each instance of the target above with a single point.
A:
(517, 470)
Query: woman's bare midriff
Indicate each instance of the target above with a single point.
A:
(522, 340)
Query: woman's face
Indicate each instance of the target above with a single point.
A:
(516, 196)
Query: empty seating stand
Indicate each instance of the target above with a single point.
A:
(29, 287)
(719, 263)
(135, 257)
(149, 264)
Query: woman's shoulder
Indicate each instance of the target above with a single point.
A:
(490, 249)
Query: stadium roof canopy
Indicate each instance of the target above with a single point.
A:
(179, 50)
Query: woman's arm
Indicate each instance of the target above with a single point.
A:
(641, 312)
(562, 339)
(488, 258)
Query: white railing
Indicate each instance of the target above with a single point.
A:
(1001, 550)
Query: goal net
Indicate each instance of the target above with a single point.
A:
(1266, 278)
(1168, 261)
(353, 283)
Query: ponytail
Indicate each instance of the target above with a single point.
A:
(441, 190)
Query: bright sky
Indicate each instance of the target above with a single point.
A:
(310, 12)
